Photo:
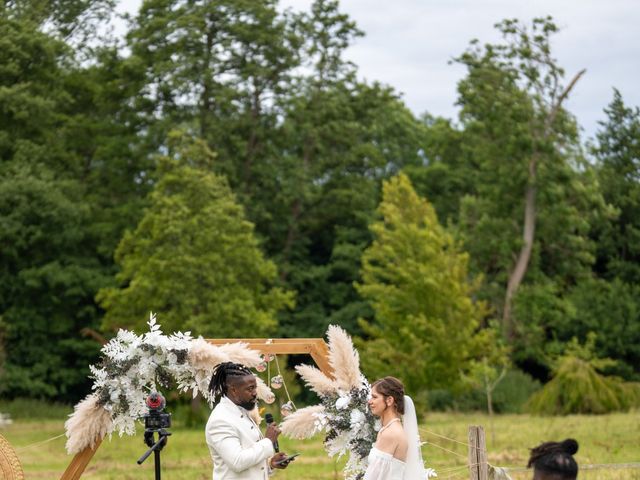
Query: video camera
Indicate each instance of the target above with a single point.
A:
(156, 419)
(155, 422)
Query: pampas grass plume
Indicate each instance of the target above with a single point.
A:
(88, 424)
(343, 358)
(205, 356)
(301, 424)
(316, 380)
(240, 353)
(264, 392)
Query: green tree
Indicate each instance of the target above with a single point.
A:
(48, 278)
(49, 270)
(340, 139)
(617, 153)
(219, 69)
(194, 259)
(611, 310)
(415, 276)
(534, 195)
(447, 173)
(74, 20)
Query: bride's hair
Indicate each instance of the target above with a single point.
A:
(555, 459)
(391, 387)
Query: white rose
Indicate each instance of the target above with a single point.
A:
(357, 419)
(342, 403)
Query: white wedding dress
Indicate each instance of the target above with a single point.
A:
(384, 466)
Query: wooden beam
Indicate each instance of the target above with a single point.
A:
(316, 347)
(79, 463)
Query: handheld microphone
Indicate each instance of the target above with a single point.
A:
(269, 419)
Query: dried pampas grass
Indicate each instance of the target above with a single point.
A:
(88, 424)
(316, 380)
(264, 392)
(240, 353)
(205, 356)
(301, 424)
(343, 358)
(255, 415)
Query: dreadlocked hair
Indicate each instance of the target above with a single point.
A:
(555, 458)
(221, 373)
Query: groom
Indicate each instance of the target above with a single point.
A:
(238, 448)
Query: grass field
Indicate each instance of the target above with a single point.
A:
(605, 439)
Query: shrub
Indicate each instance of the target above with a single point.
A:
(513, 392)
(577, 387)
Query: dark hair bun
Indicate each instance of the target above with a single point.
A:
(569, 446)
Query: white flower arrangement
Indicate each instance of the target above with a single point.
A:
(132, 366)
(343, 416)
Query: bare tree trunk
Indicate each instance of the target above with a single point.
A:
(528, 236)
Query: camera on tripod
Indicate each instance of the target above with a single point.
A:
(156, 419)
(155, 422)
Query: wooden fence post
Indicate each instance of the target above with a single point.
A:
(478, 467)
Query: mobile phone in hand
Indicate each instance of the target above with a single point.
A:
(287, 459)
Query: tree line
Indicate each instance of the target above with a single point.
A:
(224, 166)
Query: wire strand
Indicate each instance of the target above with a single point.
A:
(424, 430)
(284, 384)
(447, 450)
(39, 443)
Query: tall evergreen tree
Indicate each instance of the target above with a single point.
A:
(416, 277)
(617, 152)
(194, 259)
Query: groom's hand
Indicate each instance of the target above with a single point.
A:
(272, 432)
(279, 457)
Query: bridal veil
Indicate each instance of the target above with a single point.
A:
(414, 466)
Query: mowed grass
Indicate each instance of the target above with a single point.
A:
(606, 439)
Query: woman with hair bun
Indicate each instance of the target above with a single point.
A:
(396, 454)
(554, 460)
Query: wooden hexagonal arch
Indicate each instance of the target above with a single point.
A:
(316, 347)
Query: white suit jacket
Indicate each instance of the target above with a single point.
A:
(237, 447)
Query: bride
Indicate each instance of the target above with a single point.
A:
(396, 454)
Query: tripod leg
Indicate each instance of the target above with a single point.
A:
(157, 462)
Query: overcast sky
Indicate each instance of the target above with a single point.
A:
(408, 44)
